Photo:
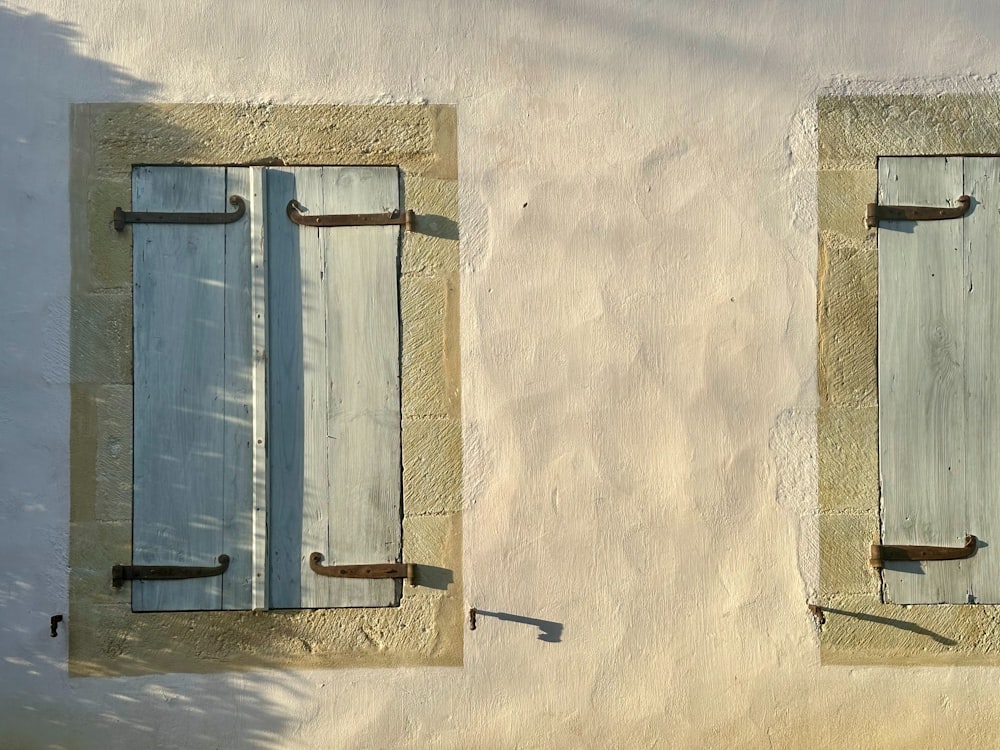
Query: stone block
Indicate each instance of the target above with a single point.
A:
(843, 197)
(848, 321)
(432, 247)
(83, 451)
(110, 257)
(432, 465)
(429, 380)
(848, 459)
(855, 130)
(862, 630)
(96, 546)
(259, 133)
(844, 549)
(113, 470)
(101, 338)
(434, 544)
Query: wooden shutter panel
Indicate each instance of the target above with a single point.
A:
(334, 446)
(192, 372)
(939, 359)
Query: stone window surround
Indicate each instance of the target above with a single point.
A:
(105, 637)
(853, 131)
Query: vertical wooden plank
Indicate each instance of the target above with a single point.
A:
(284, 394)
(297, 404)
(258, 259)
(363, 407)
(179, 373)
(982, 365)
(353, 514)
(237, 529)
(316, 479)
(922, 431)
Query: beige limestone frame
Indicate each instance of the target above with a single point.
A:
(105, 636)
(853, 132)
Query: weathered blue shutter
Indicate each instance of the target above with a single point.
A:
(192, 372)
(328, 300)
(333, 387)
(939, 390)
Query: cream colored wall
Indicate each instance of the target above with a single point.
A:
(638, 317)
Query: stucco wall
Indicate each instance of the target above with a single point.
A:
(638, 319)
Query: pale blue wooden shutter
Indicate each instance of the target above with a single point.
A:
(333, 387)
(192, 371)
(328, 301)
(939, 388)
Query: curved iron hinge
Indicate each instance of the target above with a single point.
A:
(376, 570)
(395, 217)
(122, 573)
(877, 213)
(122, 217)
(883, 552)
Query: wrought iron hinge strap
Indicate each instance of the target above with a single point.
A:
(122, 573)
(395, 217)
(877, 213)
(883, 552)
(122, 217)
(376, 570)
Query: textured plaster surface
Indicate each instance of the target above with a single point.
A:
(639, 403)
(107, 637)
(852, 132)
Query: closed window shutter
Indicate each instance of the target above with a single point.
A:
(192, 496)
(334, 402)
(939, 377)
(332, 397)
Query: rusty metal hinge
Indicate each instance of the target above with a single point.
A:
(877, 213)
(122, 217)
(395, 217)
(883, 552)
(122, 573)
(376, 570)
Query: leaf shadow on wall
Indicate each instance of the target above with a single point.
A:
(44, 72)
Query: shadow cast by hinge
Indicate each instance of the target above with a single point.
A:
(433, 577)
(893, 623)
(551, 632)
(434, 225)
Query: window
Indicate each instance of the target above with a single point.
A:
(326, 342)
(263, 146)
(857, 137)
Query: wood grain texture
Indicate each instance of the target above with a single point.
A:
(192, 392)
(334, 416)
(290, 467)
(982, 365)
(362, 383)
(937, 431)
